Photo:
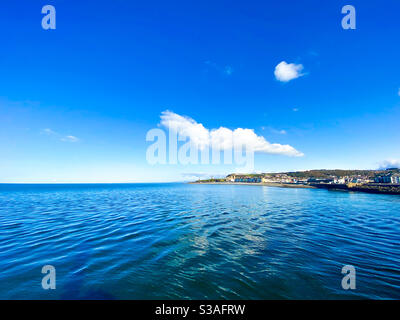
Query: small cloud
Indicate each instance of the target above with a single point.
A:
(296, 109)
(228, 70)
(49, 132)
(70, 139)
(285, 72)
(391, 163)
(398, 92)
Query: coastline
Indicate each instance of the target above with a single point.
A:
(376, 189)
(263, 184)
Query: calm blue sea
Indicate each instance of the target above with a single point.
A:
(182, 241)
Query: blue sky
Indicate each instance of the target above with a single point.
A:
(76, 102)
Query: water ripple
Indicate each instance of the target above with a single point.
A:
(175, 241)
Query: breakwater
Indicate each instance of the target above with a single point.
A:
(369, 188)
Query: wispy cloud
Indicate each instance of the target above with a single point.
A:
(49, 132)
(390, 163)
(226, 70)
(285, 72)
(278, 131)
(223, 138)
(64, 138)
(70, 139)
(275, 131)
(189, 176)
(296, 109)
(398, 92)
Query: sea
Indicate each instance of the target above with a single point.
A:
(191, 241)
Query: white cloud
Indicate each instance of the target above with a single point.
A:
(296, 109)
(398, 92)
(52, 133)
(49, 132)
(70, 139)
(185, 126)
(391, 163)
(288, 71)
(223, 138)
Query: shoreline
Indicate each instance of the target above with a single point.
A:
(392, 190)
(263, 184)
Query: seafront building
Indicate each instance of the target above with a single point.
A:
(378, 177)
(395, 179)
(388, 178)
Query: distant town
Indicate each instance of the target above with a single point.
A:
(374, 181)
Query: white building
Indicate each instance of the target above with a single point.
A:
(395, 179)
